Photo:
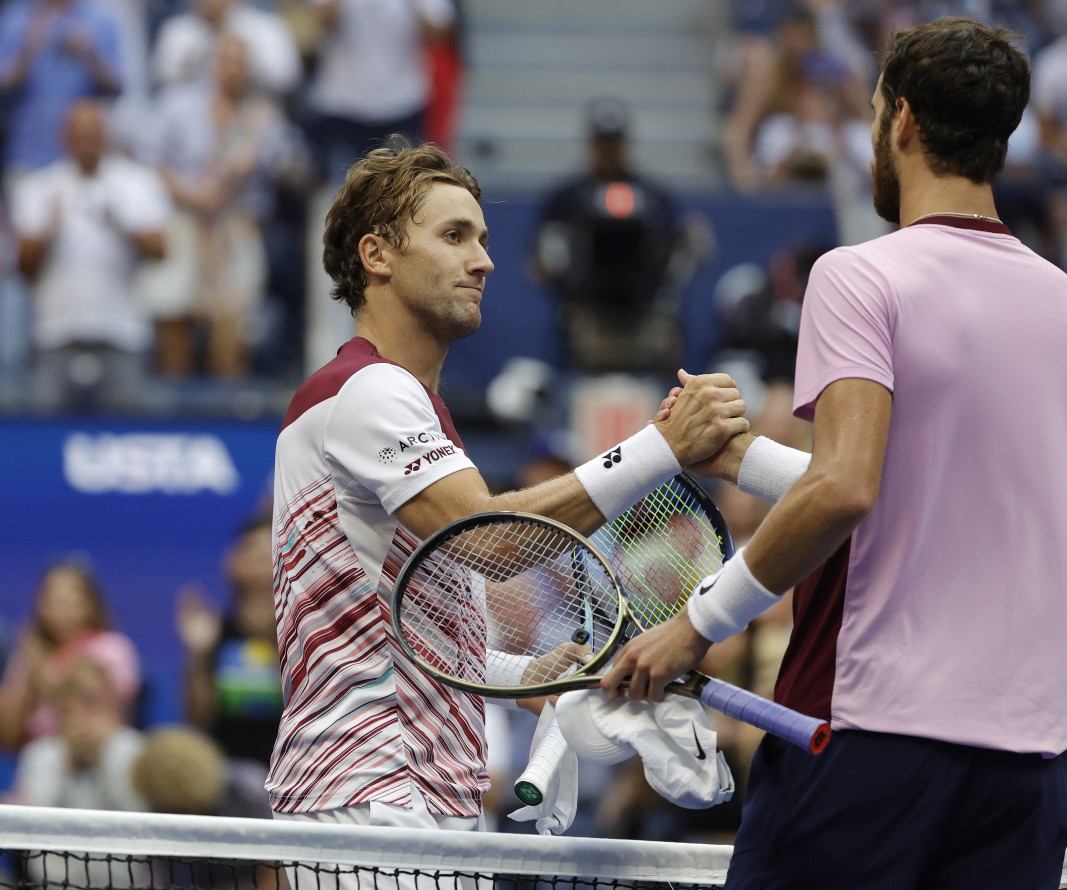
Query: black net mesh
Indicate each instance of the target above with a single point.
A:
(36, 870)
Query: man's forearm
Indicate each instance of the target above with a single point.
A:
(201, 697)
(801, 532)
(31, 256)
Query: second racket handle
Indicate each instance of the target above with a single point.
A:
(809, 733)
(532, 786)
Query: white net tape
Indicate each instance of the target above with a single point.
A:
(257, 840)
(591, 862)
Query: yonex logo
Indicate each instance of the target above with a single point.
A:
(430, 457)
(612, 457)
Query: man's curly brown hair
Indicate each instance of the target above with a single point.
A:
(967, 85)
(381, 193)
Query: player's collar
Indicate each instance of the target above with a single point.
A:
(962, 221)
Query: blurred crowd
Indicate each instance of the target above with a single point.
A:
(158, 161)
(159, 158)
(73, 696)
(797, 82)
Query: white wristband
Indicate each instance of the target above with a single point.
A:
(505, 669)
(619, 478)
(768, 469)
(724, 603)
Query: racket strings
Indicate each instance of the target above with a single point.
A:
(661, 549)
(443, 617)
(509, 602)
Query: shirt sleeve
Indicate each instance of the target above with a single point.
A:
(170, 59)
(846, 327)
(40, 773)
(273, 57)
(384, 439)
(115, 772)
(32, 206)
(12, 27)
(108, 47)
(1046, 91)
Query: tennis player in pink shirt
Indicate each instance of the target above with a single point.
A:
(925, 539)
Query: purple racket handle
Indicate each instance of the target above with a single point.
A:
(809, 733)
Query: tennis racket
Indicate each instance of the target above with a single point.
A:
(492, 604)
(664, 545)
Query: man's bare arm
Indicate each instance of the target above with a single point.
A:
(813, 519)
(708, 413)
(32, 253)
(839, 489)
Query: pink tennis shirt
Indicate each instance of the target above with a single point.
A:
(945, 614)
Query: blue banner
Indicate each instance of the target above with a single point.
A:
(150, 505)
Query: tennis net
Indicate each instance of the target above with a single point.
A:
(89, 850)
(64, 849)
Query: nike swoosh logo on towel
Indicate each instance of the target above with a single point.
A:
(700, 750)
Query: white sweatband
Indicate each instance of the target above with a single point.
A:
(621, 476)
(724, 603)
(505, 669)
(769, 468)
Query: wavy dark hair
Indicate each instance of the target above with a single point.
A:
(967, 85)
(381, 193)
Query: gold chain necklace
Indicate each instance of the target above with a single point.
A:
(954, 213)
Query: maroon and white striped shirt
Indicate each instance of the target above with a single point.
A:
(361, 723)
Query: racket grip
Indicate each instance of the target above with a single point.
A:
(532, 785)
(809, 733)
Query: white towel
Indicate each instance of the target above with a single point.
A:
(555, 813)
(673, 738)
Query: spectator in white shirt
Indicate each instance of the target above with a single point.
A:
(371, 79)
(83, 224)
(88, 762)
(188, 44)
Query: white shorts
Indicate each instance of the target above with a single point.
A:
(379, 814)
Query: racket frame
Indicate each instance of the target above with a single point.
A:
(581, 678)
(626, 623)
(693, 684)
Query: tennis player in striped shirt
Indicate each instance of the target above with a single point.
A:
(369, 462)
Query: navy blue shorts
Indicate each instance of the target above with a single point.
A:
(890, 812)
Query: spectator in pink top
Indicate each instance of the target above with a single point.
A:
(69, 624)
